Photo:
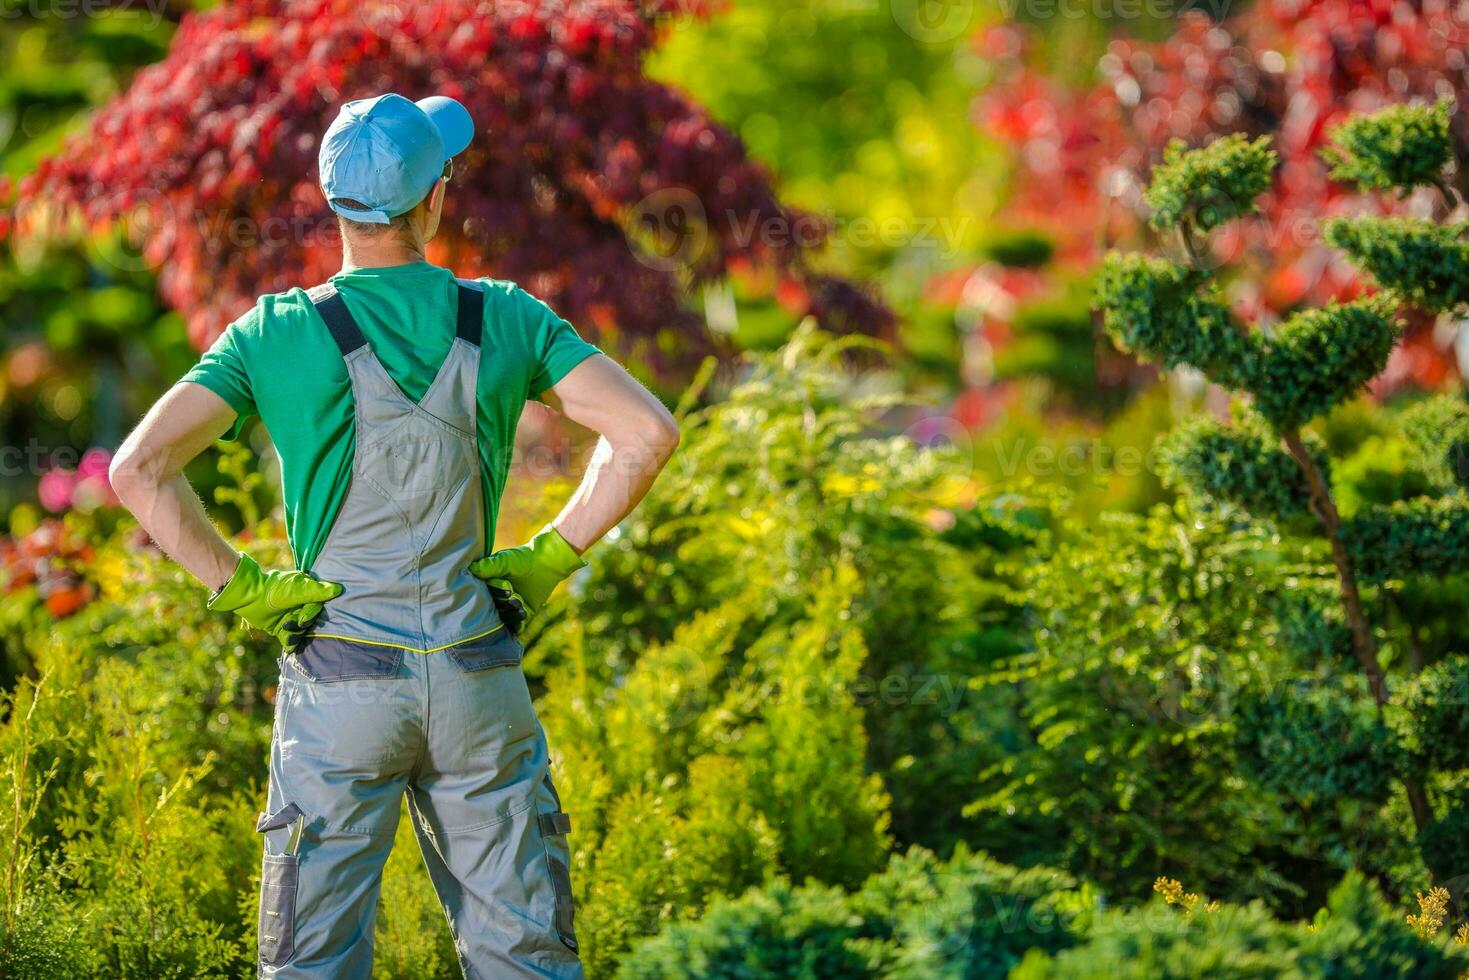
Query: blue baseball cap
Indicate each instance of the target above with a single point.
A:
(387, 152)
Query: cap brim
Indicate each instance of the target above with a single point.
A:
(452, 121)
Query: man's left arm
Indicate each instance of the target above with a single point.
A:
(637, 436)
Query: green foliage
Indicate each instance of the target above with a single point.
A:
(1315, 360)
(856, 114)
(1053, 339)
(1436, 705)
(1311, 628)
(968, 917)
(1316, 744)
(724, 722)
(1242, 464)
(1426, 536)
(1318, 359)
(1157, 310)
(1020, 249)
(1209, 187)
(1323, 749)
(1149, 630)
(1397, 148)
(775, 488)
(1379, 469)
(45, 939)
(1425, 263)
(1358, 935)
(1445, 841)
(780, 932)
(410, 938)
(1438, 430)
(148, 860)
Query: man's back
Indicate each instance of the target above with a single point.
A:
(279, 361)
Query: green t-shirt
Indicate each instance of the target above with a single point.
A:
(280, 362)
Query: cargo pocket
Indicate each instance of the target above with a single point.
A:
(278, 908)
(554, 827)
(278, 877)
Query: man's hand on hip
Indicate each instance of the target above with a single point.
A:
(283, 604)
(522, 579)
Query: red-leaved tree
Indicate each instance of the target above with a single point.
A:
(1289, 68)
(610, 195)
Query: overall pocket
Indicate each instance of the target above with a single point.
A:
(326, 659)
(499, 649)
(554, 826)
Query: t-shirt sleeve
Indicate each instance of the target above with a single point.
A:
(222, 370)
(558, 347)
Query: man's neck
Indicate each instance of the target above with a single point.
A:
(359, 255)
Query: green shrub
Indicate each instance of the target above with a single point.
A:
(1169, 313)
(780, 612)
(1318, 359)
(1357, 935)
(966, 918)
(1426, 536)
(1149, 632)
(1438, 430)
(779, 932)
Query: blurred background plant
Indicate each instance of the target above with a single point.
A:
(964, 613)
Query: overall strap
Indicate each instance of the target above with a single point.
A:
(470, 319)
(333, 310)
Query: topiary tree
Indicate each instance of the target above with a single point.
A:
(1317, 359)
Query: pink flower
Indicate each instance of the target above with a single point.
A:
(55, 489)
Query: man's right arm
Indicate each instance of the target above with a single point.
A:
(148, 477)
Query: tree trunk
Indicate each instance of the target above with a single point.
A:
(1324, 507)
(1363, 644)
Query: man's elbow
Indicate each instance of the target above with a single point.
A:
(131, 478)
(659, 436)
(663, 436)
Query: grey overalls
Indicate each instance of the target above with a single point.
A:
(409, 683)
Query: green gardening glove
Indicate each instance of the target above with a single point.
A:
(522, 579)
(283, 604)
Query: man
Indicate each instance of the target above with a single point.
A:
(392, 394)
